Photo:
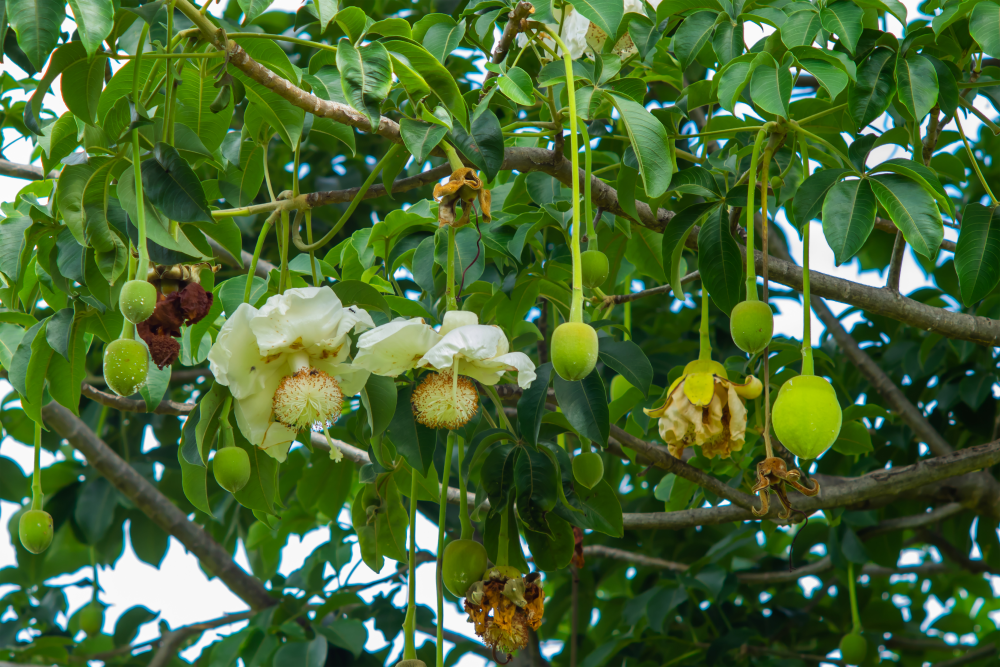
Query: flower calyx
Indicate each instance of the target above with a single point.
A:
(466, 188)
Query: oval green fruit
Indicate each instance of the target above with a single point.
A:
(853, 648)
(619, 385)
(588, 469)
(35, 530)
(807, 416)
(463, 564)
(126, 364)
(595, 268)
(574, 350)
(231, 466)
(91, 618)
(137, 300)
(751, 325)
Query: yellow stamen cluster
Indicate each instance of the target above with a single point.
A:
(440, 402)
(306, 399)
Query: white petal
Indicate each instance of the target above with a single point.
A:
(489, 371)
(234, 358)
(454, 319)
(473, 343)
(520, 362)
(253, 416)
(395, 347)
(304, 319)
(351, 378)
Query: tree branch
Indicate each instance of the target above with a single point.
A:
(521, 11)
(148, 499)
(165, 407)
(29, 172)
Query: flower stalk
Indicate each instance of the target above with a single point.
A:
(751, 209)
(410, 621)
(442, 515)
(37, 497)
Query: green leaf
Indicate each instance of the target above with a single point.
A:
(649, 140)
(947, 86)
(156, 385)
(800, 28)
(385, 535)
(585, 404)
(829, 76)
(531, 405)
(349, 634)
(516, 84)
(379, 399)
(605, 14)
(241, 182)
(674, 239)
(483, 145)
(149, 541)
(720, 262)
(173, 187)
(848, 217)
(18, 367)
(644, 250)
(94, 20)
(553, 552)
(366, 76)
(95, 509)
(37, 24)
(870, 97)
(253, 8)
(734, 76)
(443, 38)
(420, 138)
(65, 56)
(515, 555)
(357, 293)
(691, 36)
(326, 10)
(626, 190)
(629, 361)
(259, 492)
(845, 19)
(728, 41)
(854, 439)
(412, 439)
(194, 96)
(302, 654)
(535, 481)
(497, 475)
(984, 26)
(440, 81)
(922, 175)
(977, 256)
(808, 202)
(281, 115)
(326, 132)
(916, 84)
(128, 624)
(324, 484)
(771, 89)
(912, 210)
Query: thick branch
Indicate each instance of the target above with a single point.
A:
(29, 172)
(129, 405)
(157, 506)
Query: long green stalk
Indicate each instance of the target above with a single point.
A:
(704, 343)
(855, 616)
(442, 515)
(256, 257)
(751, 209)
(37, 497)
(503, 538)
(467, 531)
(410, 622)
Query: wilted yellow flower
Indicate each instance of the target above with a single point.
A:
(464, 187)
(704, 408)
(503, 609)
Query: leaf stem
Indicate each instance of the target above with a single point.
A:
(807, 350)
(851, 587)
(704, 344)
(588, 164)
(751, 209)
(256, 257)
(503, 537)
(450, 300)
(442, 515)
(282, 38)
(467, 531)
(975, 162)
(454, 160)
(820, 140)
(822, 113)
(410, 622)
(492, 393)
(170, 93)
(576, 305)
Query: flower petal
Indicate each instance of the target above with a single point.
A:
(473, 343)
(489, 371)
(454, 319)
(235, 359)
(351, 378)
(395, 347)
(253, 416)
(304, 319)
(699, 388)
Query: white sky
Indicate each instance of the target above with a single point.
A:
(133, 582)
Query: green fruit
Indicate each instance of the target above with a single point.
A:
(35, 529)
(231, 466)
(807, 416)
(706, 366)
(92, 618)
(137, 300)
(619, 385)
(853, 648)
(595, 268)
(508, 571)
(126, 364)
(464, 563)
(588, 469)
(574, 350)
(751, 325)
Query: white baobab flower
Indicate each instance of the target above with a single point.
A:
(286, 365)
(462, 349)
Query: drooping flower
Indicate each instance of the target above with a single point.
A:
(286, 365)
(473, 350)
(465, 188)
(703, 408)
(502, 609)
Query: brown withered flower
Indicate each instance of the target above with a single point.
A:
(463, 187)
(180, 300)
(502, 609)
(773, 474)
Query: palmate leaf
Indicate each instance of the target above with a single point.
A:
(977, 255)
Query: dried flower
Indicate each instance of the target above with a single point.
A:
(463, 187)
(187, 304)
(703, 408)
(506, 607)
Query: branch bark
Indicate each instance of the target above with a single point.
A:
(148, 499)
